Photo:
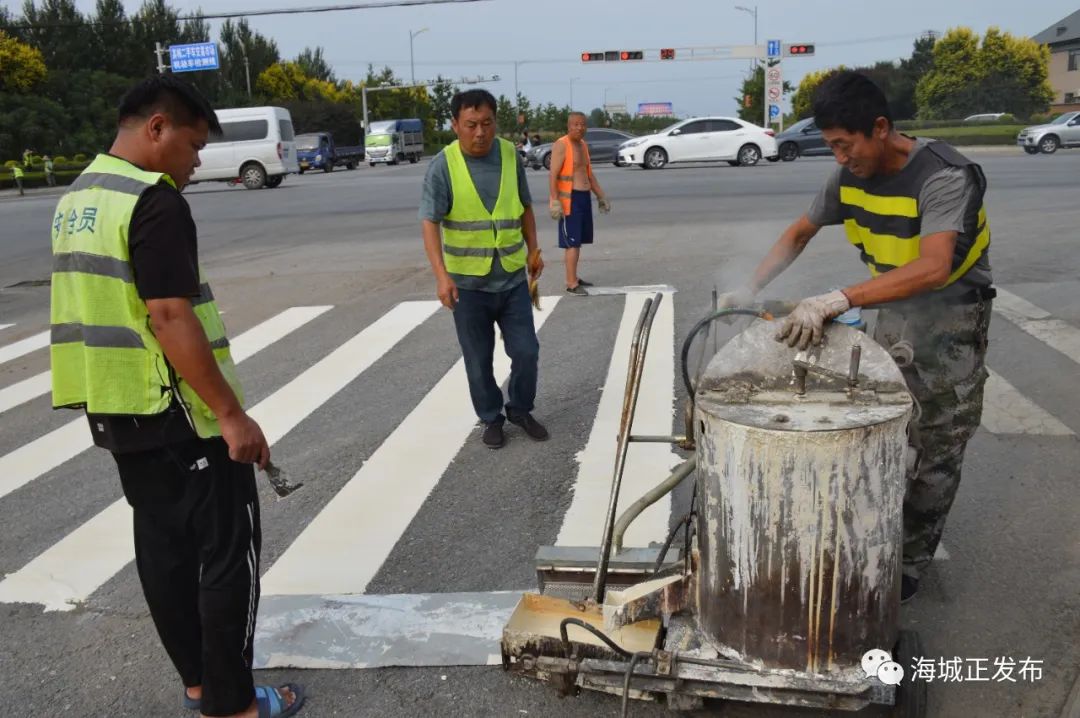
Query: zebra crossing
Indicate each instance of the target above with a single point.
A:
(362, 523)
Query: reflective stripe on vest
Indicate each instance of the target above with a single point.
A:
(474, 237)
(104, 355)
(564, 181)
(885, 225)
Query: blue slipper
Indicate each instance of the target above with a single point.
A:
(192, 704)
(272, 705)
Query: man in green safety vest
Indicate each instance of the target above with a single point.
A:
(17, 173)
(137, 342)
(913, 208)
(476, 193)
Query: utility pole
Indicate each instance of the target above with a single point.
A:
(160, 51)
(247, 73)
(412, 65)
(753, 63)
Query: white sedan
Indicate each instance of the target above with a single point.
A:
(701, 139)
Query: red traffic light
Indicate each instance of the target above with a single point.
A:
(592, 57)
(631, 55)
(667, 53)
(800, 49)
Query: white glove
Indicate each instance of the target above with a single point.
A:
(555, 208)
(807, 322)
(604, 204)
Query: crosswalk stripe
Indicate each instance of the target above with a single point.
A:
(346, 543)
(25, 346)
(1007, 411)
(5, 326)
(242, 347)
(45, 453)
(1039, 323)
(62, 576)
(23, 391)
(647, 464)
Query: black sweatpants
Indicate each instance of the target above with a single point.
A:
(197, 543)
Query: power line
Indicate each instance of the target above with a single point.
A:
(252, 13)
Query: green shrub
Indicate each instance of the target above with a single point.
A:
(79, 158)
(59, 160)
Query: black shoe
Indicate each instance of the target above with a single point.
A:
(494, 437)
(532, 427)
(908, 588)
(579, 290)
(582, 283)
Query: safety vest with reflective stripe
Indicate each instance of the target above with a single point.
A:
(564, 183)
(882, 218)
(472, 236)
(17, 171)
(105, 358)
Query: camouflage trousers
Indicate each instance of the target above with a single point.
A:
(941, 350)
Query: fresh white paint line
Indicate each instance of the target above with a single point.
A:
(1007, 411)
(1039, 323)
(23, 391)
(346, 543)
(360, 631)
(5, 326)
(24, 346)
(66, 574)
(646, 464)
(242, 347)
(45, 453)
(941, 554)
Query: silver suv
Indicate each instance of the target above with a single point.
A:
(1062, 131)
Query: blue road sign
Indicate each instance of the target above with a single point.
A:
(772, 48)
(774, 111)
(192, 58)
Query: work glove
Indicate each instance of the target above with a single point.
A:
(604, 204)
(555, 208)
(535, 269)
(807, 322)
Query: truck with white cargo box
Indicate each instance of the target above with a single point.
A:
(394, 141)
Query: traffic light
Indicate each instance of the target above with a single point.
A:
(667, 53)
(592, 57)
(611, 56)
(632, 55)
(747, 101)
(799, 50)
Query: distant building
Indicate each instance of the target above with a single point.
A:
(1064, 40)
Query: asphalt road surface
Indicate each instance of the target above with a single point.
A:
(355, 375)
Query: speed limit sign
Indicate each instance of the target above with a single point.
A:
(774, 74)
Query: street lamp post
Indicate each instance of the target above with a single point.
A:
(753, 63)
(412, 65)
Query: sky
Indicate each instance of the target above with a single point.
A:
(547, 38)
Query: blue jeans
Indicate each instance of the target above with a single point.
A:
(475, 317)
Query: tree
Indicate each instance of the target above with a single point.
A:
(314, 64)
(754, 86)
(404, 102)
(66, 48)
(505, 116)
(802, 102)
(1004, 74)
(598, 118)
(113, 40)
(912, 70)
(21, 66)
(441, 95)
(240, 42)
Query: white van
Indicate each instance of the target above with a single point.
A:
(256, 145)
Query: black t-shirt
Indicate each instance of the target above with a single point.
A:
(164, 258)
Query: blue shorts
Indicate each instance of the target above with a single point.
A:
(576, 229)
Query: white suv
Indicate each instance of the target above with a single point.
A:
(701, 139)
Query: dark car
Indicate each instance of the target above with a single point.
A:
(802, 138)
(603, 147)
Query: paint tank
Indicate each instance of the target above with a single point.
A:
(800, 498)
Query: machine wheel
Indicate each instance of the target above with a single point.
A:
(350, 165)
(547, 161)
(749, 155)
(398, 159)
(1049, 144)
(302, 170)
(371, 164)
(733, 163)
(413, 159)
(910, 694)
(328, 168)
(655, 158)
(253, 175)
(789, 152)
(274, 181)
(1031, 150)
